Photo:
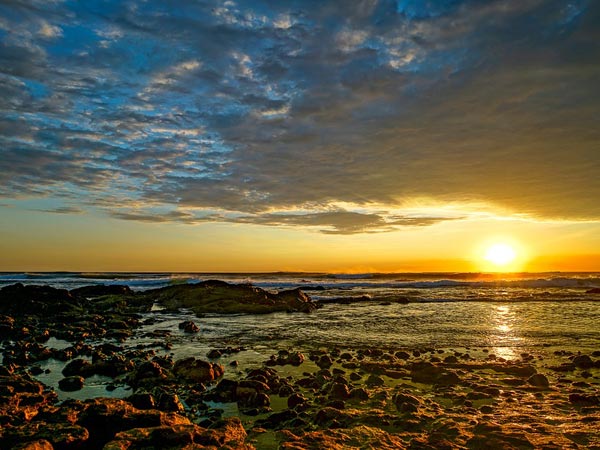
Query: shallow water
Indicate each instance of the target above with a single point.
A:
(507, 315)
(510, 328)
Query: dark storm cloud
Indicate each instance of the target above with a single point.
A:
(249, 108)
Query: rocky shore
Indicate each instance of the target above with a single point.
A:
(305, 398)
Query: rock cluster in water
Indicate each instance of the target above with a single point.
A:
(311, 399)
(220, 297)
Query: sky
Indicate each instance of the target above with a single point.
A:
(379, 135)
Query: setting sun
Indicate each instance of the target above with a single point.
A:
(500, 254)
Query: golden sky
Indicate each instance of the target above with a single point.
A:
(391, 136)
(36, 241)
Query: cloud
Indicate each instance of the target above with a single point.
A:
(342, 222)
(234, 110)
(63, 210)
(48, 31)
(338, 221)
(142, 216)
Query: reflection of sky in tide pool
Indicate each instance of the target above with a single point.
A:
(94, 386)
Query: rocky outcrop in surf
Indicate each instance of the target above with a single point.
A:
(223, 298)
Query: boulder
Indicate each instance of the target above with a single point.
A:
(34, 436)
(114, 366)
(7, 325)
(170, 402)
(220, 297)
(406, 402)
(359, 394)
(189, 327)
(425, 372)
(224, 391)
(448, 379)
(214, 354)
(365, 436)
(78, 367)
(142, 400)
(402, 355)
(339, 391)
(583, 362)
(38, 300)
(40, 444)
(101, 290)
(197, 371)
(325, 362)
(584, 399)
(70, 384)
(538, 380)
(374, 380)
(147, 372)
(105, 417)
(329, 417)
(295, 400)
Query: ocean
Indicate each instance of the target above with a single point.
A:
(508, 312)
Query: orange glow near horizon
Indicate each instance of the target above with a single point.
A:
(34, 241)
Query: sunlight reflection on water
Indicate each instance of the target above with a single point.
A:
(504, 320)
(508, 329)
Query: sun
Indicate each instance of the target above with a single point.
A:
(500, 254)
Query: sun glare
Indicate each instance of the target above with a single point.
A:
(500, 254)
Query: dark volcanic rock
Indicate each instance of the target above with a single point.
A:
(78, 367)
(7, 325)
(295, 400)
(170, 402)
(285, 357)
(221, 297)
(70, 384)
(45, 436)
(583, 362)
(584, 399)
(149, 372)
(142, 400)
(538, 380)
(40, 300)
(214, 354)
(189, 327)
(40, 444)
(339, 391)
(325, 362)
(196, 370)
(105, 417)
(278, 420)
(402, 355)
(226, 433)
(359, 393)
(329, 417)
(101, 290)
(224, 391)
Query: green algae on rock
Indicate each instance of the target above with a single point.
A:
(223, 298)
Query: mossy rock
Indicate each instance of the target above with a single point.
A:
(224, 298)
